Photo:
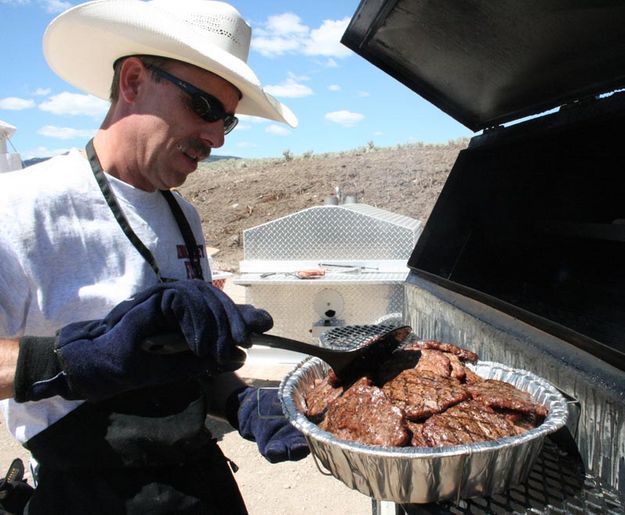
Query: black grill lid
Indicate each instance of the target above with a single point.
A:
(487, 62)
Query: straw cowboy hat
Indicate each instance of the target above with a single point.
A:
(82, 44)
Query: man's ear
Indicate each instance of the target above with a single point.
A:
(132, 75)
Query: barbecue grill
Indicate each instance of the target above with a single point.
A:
(521, 259)
(361, 251)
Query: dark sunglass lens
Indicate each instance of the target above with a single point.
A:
(211, 110)
(230, 122)
(204, 109)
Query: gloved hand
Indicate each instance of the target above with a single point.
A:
(102, 358)
(257, 414)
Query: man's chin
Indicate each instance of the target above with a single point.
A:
(189, 166)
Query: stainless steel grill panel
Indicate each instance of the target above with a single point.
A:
(353, 231)
(294, 315)
(363, 251)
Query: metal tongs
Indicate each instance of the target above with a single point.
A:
(367, 348)
(348, 267)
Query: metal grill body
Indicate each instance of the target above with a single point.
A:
(521, 258)
(595, 390)
(557, 485)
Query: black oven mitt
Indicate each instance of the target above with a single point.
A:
(257, 414)
(99, 359)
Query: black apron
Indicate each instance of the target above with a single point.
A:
(146, 452)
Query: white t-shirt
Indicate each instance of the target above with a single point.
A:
(65, 258)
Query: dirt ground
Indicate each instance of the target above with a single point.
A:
(234, 195)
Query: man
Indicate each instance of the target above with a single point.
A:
(98, 246)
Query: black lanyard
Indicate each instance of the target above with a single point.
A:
(193, 252)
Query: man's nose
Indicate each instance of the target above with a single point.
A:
(212, 134)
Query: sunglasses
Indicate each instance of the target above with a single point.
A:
(206, 106)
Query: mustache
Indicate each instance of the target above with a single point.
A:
(197, 148)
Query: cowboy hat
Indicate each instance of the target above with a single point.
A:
(82, 44)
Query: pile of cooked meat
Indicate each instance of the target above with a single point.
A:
(422, 396)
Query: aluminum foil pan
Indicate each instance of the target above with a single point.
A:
(423, 475)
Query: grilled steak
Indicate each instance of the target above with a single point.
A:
(458, 370)
(522, 422)
(418, 439)
(418, 354)
(423, 396)
(471, 377)
(319, 396)
(465, 423)
(434, 362)
(364, 414)
(420, 394)
(499, 394)
(463, 354)
(400, 360)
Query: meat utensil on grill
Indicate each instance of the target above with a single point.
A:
(368, 344)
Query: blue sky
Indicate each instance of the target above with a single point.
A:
(342, 101)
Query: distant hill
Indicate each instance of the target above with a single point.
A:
(211, 159)
(232, 196)
(34, 161)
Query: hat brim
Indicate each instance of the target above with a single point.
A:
(81, 45)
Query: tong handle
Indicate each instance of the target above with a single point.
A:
(168, 343)
(173, 343)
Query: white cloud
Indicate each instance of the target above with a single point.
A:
(277, 130)
(290, 88)
(331, 63)
(286, 34)
(43, 152)
(334, 87)
(55, 6)
(286, 24)
(272, 46)
(16, 104)
(281, 34)
(41, 92)
(65, 132)
(363, 94)
(345, 118)
(50, 6)
(75, 104)
(326, 40)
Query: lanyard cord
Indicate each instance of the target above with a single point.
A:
(193, 251)
(183, 224)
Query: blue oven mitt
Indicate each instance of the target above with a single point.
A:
(257, 414)
(98, 359)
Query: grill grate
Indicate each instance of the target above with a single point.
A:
(557, 484)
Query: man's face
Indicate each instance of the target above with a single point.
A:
(173, 137)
